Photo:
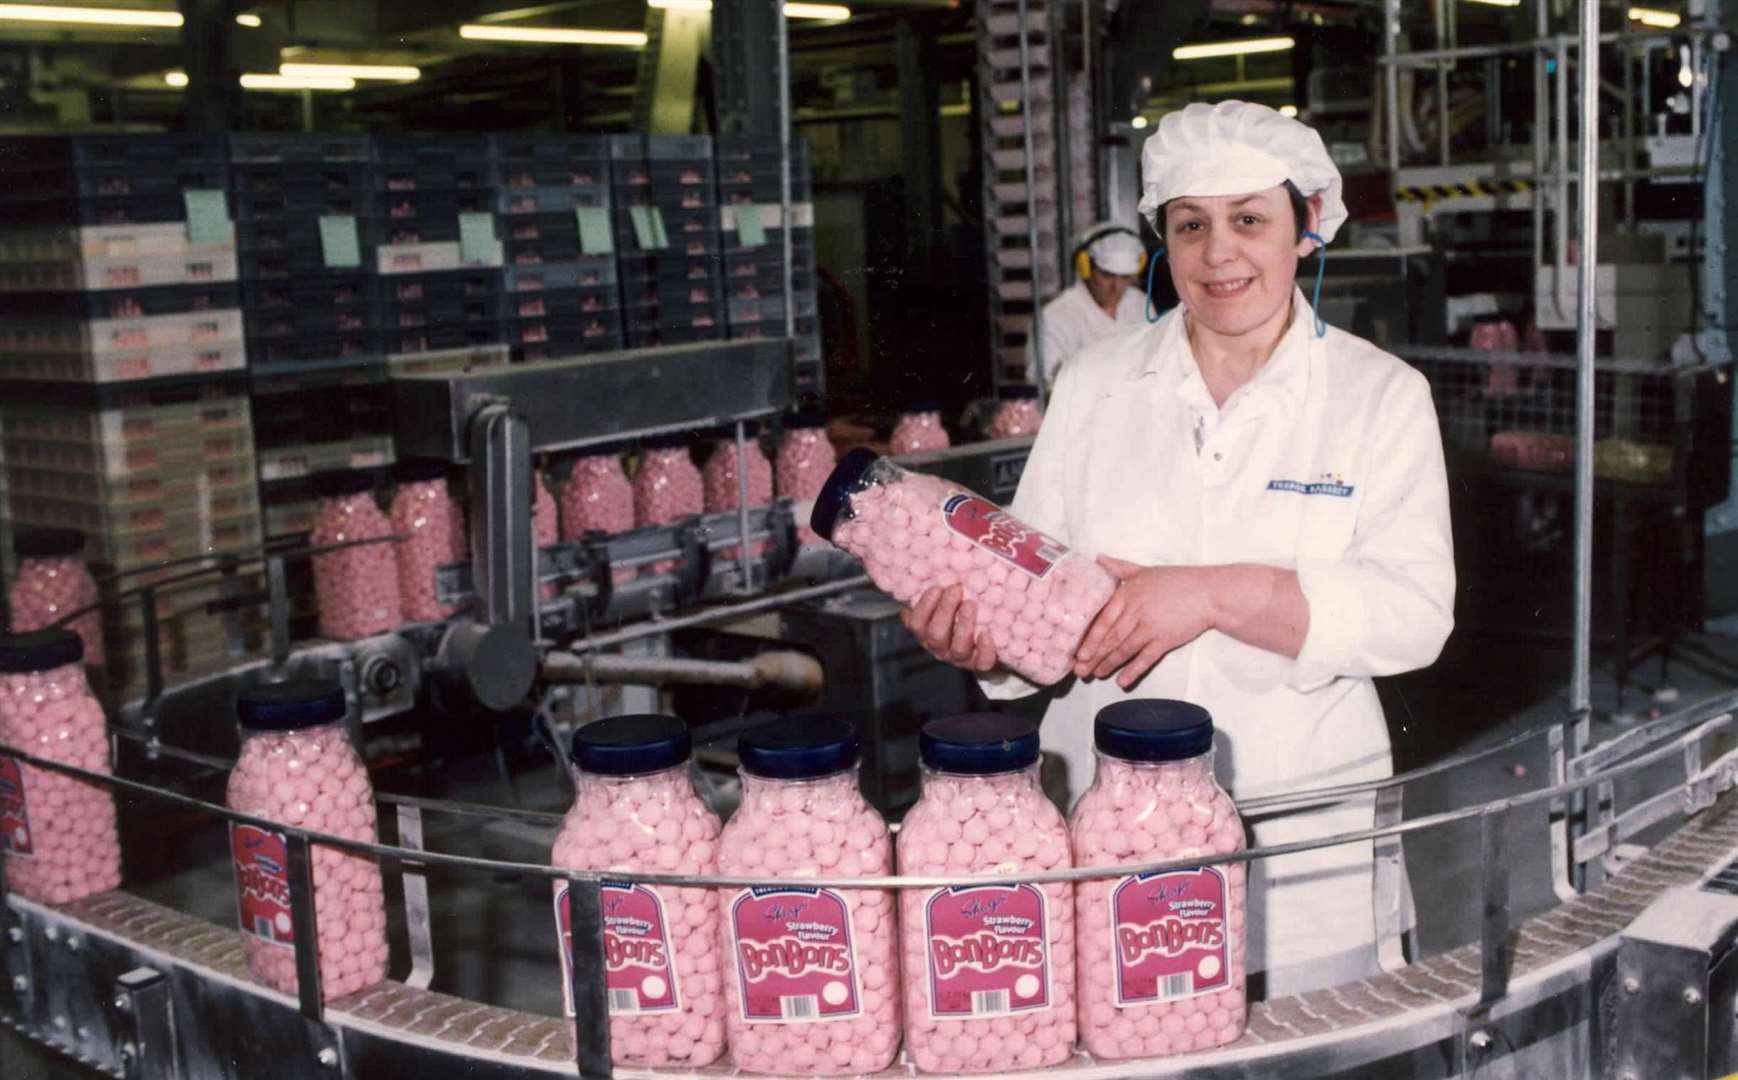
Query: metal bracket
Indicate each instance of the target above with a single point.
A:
(416, 913)
(145, 1020)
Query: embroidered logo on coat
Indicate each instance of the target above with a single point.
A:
(1330, 483)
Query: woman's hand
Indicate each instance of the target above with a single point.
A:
(1155, 609)
(947, 625)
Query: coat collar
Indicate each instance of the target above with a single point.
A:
(1285, 375)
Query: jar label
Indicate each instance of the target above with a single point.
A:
(15, 837)
(1172, 935)
(639, 965)
(794, 955)
(262, 883)
(987, 951)
(1001, 534)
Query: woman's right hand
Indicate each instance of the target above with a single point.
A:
(946, 624)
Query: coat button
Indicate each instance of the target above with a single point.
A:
(1217, 456)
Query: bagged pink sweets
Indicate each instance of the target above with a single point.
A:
(913, 532)
(356, 587)
(422, 513)
(58, 832)
(51, 581)
(1018, 413)
(667, 488)
(989, 969)
(805, 460)
(720, 480)
(920, 429)
(635, 809)
(1161, 956)
(298, 767)
(812, 975)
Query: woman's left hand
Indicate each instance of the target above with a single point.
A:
(1155, 609)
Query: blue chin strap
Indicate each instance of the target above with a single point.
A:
(1152, 265)
(1315, 295)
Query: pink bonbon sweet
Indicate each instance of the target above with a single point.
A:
(58, 832)
(1161, 956)
(719, 482)
(51, 581)
(422, 513)
(988, 969)
(919, 430)
(1017, 415)
(356, 587)
(914, 532)
(812, 975)
(297, 767)
(667, 488)
(635, 809)
(805, 460)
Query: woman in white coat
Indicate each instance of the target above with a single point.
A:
(1270, 493)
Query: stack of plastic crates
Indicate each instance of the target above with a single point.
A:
(667, 236)
(559, 283)
(751, 215)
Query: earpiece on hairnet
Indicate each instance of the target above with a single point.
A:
(1316, 297)
(1317, 237)
(1152, 265)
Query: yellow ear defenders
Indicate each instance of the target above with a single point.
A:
(1083, 261)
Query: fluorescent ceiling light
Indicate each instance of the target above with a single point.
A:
(1664, 20)
(177, 79)
(86, 16)
(1138, 123)
(681, 5)
(553, 35)
(249, 20)
(1496, 3)
(1288, 110)
(1211, 49)
(384, 72)
(793, 10)
(263, 81)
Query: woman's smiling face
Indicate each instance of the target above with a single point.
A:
(1233, 258)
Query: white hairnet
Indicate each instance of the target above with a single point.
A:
(1235, 148)
(1112, 247)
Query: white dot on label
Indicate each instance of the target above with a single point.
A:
(835, 993)
(653, 986)
(1208, 967)
(1026, 986)
(281, 922)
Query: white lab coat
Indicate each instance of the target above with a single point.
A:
(1329, 462)
(1074, 320)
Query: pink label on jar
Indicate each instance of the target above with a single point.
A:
(1001, 534)
(14, 811)
(794, 956)
(262, 883)
(639, 972)
(1172, 936)
(988, 951)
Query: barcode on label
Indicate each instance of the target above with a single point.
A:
(1179, 985)
(624, 1001)
(802, 1007)
(262, 926)
(989, 1002)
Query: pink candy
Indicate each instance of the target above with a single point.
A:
(919, 431)
(311, 778)
(790, 830)
(597, 498)
(46, 589)
(805, 458)
(667, 489)
(64, 844)
(422, 512)
(719, 480)
(1035, 597)
(653, 822)
(1014, 418)
(974, 825)
(356, 588)
(1170, 979)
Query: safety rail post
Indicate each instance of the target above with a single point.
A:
(307, 933)
(414, 878)
(591, 1017)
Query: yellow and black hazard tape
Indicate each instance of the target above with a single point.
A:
(1475, 189)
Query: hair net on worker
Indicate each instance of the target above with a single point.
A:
(1235, 148)
(1116, 249)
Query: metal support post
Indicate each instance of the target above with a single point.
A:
(307, 931)
(503, 546)
(146, 1012)
(1035, 373)
(1580, 688)
(744, 562)
(416, 914)
(591, 1019)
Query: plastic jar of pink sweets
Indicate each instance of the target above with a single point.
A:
(298, 767)
(667, 488)
(720, 476)
(58, 832)
(1017, 413)
(805, 460)
(920, 429)
(422, 513)
(51, 581)
(1161, 956)
(913, 532)
(596, 496)
(989, 969)
(635, 809)
(545, 525)
(812, 976)
(355, 587)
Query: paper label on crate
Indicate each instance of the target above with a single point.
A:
(477, 240)
(749, 230)
(639, 964)
(340, 244)
(793, 954)
(1001, 534)
(208, 217)
(649, 232)
(15, 838)
(987, 951)
(262, 883)
(595, 235)
(1171, 935)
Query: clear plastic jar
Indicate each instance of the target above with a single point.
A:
(920, 429)
(298, 767)
(1017, 414)
(58, 832)
(812, 974)
(805, 460)
(719, 480)
(51, 581)
(597, 497)
(1161, 956)
(356, 588)
(913, 532)
(422, 513)
(667, 488)
(989, 969)
(635, 809)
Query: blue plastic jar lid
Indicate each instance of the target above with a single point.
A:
(805, 420)
(834, 501)
(291, 706)
(1153, 729)
(47, 543)
(798, 749)
(418, 470)
(1017, 392)
(978, 744)
(337, 483)
(630, 745)
(39, 650)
